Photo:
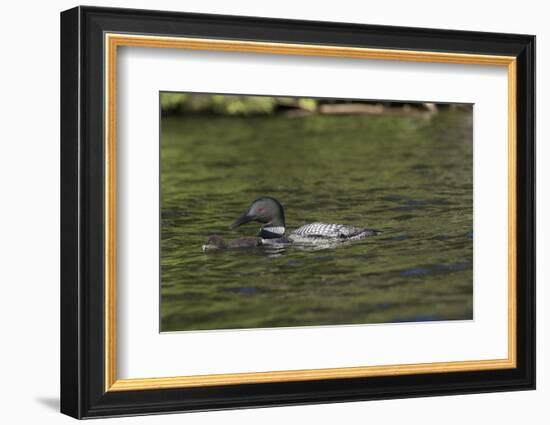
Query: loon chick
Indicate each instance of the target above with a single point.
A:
(216, 242)
(271, 213)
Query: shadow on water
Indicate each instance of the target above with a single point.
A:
(408, 176)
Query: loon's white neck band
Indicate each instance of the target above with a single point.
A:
(278, 230)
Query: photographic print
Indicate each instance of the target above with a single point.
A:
(287, 211)
(311, 212)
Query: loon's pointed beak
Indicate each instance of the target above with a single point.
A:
(245, 218)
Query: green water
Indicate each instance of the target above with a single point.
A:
(409, 176)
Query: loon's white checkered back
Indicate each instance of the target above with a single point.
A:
(330, 231)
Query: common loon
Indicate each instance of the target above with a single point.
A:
(270, 213)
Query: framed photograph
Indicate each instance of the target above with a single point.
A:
(261, 212)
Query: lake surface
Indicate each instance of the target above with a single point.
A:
(409, 176)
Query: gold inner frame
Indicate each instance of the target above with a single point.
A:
(113, 41)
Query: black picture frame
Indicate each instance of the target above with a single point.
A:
(83, 392)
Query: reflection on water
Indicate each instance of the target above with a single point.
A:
(409, 176)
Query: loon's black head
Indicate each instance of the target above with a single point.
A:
(265, 210)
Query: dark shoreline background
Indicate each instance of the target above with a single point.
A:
(185, 104)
